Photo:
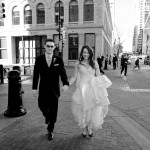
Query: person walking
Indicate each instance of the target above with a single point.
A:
(89, 100)
(124, 64)
(137, 63)
(47, 70)
(99, 60)
(114, 61)
(106, 63)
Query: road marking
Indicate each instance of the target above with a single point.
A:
(135, 130)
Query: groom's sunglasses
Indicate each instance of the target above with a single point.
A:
(48, 46)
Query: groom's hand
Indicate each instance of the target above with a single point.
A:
(65, 88)
(34, 92)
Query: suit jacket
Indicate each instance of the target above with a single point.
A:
(48, 77)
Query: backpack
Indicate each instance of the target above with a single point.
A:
(136, 62)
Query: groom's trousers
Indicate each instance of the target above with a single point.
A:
(49, 110)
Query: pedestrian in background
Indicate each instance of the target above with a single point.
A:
(106, 63)
(110, 60)
(47, 70)
(137, 63)
(115, 61)
(124, 64)
(100, 61)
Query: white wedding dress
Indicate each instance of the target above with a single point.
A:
(90, 99)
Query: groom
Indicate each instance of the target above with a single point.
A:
(47, 70)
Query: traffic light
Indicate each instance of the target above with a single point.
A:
(61, 21)
(2, 10)
(62, 44)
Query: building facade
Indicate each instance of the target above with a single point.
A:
(29, 22)
(141, 38)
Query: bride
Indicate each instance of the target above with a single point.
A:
(89, 100)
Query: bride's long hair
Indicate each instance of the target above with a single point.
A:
(91, 55)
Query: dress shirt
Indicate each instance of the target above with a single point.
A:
(48, 59)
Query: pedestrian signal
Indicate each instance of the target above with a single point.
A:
(64, 34)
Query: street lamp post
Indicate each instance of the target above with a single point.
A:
(59, 30)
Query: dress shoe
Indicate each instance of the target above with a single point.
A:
(50, 136)
(90, 133)
(84, 133)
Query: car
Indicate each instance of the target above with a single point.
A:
(133, 57)
(147, 60)
(129, 62)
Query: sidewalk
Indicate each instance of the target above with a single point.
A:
(29, 131)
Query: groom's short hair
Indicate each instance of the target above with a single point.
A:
(49, 40)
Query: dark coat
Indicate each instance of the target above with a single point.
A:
(124, 61)
(49, 87)
(99, 60)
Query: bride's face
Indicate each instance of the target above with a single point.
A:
(85, 54)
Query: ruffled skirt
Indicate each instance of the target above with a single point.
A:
(90, 102)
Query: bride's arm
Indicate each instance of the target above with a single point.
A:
(97, 71)
(74, 77)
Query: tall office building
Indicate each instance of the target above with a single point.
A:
(141, 38)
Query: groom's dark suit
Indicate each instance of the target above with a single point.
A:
(49, 88)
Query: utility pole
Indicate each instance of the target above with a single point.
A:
(59, 29)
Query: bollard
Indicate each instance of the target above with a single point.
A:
(1, 74)
(15, 108)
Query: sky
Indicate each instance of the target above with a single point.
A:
(124, 21)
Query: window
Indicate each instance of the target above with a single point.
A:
(73, 11)
(73, 46)
(16, 16)
(28, 48)
(88, 10)
(3, 48)
(27, 15)
(90, 40)
(57, 12)
(40, 14)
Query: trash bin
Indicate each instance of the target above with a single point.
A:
(1, 74)
(15, 108)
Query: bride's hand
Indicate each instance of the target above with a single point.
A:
(65, 88)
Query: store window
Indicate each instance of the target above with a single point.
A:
(73, 47)
(28, 48)
(40, 14)
(15, 16)
(88, 10)
(3, 48)
(90, 40)
(57, 12)
(73, 11)
(27, 15)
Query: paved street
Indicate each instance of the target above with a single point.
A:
(126, 127)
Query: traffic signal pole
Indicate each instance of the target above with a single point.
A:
(59, 29)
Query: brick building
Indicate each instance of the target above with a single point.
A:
(29, 22)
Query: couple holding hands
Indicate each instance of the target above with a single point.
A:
(90, 101)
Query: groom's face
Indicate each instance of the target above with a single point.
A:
(49, 47)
